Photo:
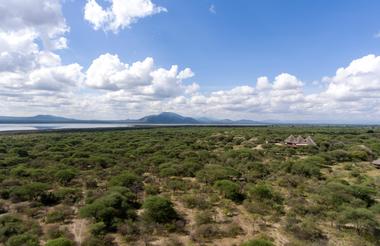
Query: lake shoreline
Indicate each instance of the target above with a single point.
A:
(121, 128)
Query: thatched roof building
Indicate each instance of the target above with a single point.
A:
(299, 141)
(376, 163)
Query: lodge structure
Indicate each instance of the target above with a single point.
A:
(299, 141)
(376, 163)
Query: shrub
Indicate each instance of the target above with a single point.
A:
(206, 231)
(177, 184)
(68, 195)
(65, 176)
(233, 230)
(204, 217)
(196, 201)
(31, 191)
(23, 239)
(363, 219)
(59, 214)
(98, 228)
(55, 216)
(264, 192)
(229, 190)
(128, 180)
(11, 225)
(258, 242)
(59, 242)
(159, 209)
(309, 167)
(152, 189)
(211, 173)
(305, 230)
(54, 231)
(118, 204)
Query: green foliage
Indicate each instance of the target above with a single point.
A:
(265, 193)
(127, 179)
(65, 176)
(336, 194)
(258, 242)
(229, 190)
(304, 229)
(332, 182)
(55, 216)
(98, 228)
(204, 217)
(308, 167)
(211, 173)
(151, 189)
(14, 230)
(363, 219)
(159, 209)
(23, 239)
(199, 201)
(113, 207)
(31, 191)
(59, 242)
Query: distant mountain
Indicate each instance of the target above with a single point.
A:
(162, 118)
(168, 118)
(205, 120)
(36, 119)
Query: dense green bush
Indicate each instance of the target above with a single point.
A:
(59, 242)
(112, 208)
(211, 173)
(14, 230)
(31, 191)
(363, 219)
(111, 172)
(23, 239)
(264, 193)
(127, 179)
(65, 176)
(159, 209)
(229, 190)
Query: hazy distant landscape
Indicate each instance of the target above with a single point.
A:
(49, 122)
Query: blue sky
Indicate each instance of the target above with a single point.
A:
(269, 59)
(242, 41)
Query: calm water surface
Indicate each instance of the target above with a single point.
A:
(52, 126)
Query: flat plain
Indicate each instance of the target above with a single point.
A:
(191, 186)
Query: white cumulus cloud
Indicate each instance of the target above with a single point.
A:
(107, 72)
(121, 14)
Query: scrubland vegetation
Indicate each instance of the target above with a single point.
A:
(190, 186)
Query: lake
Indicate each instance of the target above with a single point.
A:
(57, 126)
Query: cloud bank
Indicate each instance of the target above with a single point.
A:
(33, 79)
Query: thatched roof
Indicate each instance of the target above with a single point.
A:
(377, 162)
(290, 139)
(310, 141)
(299, 140)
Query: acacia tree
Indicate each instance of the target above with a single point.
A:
(159, 209)
(362, 218)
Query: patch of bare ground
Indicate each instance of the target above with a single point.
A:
(79, 229)
(119, 240)
(79, 226)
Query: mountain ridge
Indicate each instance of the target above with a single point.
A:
(161, 118)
